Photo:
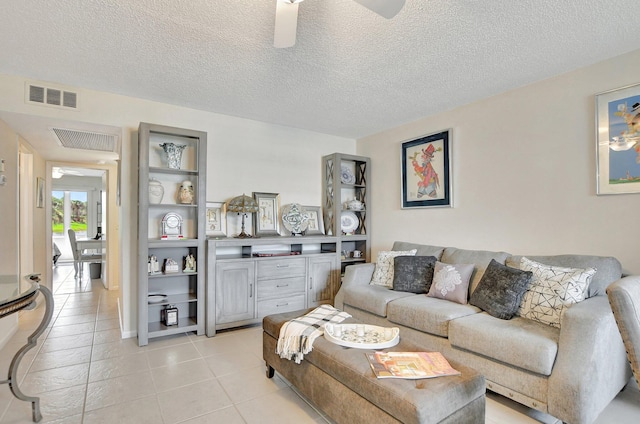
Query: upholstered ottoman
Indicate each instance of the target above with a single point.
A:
(340, 382)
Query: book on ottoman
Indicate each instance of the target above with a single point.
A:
(413, 365)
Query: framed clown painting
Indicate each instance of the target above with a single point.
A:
(426, 171)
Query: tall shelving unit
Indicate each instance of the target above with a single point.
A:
(347, 178)
(183, 290)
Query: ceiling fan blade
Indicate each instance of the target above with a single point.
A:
(286, 24)
(385, 8)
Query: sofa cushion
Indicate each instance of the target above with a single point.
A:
(383, 274)
(552, 290)
(373, 299)
(451, 282)
(427, 314)
(519, 342)
(608, 268)
(500, 290)
(413, 273)
(421, 249)
(480, 258)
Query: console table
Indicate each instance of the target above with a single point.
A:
(251, 278)
(12, 300)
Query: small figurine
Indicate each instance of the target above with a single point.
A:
(170, 266)
(189, 263)
(154, 267)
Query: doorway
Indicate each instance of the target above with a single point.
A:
(81, 199)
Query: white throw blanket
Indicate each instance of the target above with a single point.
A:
(296, 336)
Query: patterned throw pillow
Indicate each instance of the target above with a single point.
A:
(383, 274)
(553, 289)
(451, 282)
(413, 273)
(500, 290)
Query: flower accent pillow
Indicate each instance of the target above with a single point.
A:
(383, 274)
(553, 289)
(451, 282)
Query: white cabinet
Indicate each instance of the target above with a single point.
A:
(158, 195)
(263, 276)
(235, 294)
(321, 280)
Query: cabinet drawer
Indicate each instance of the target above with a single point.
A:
(280, 288)
(277, 306)
(281, 268)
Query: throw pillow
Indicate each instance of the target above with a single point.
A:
(413, 273)
(553, 289)
(500, 290)
(383, 274)
(451, 282)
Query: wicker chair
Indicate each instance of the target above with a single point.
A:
(624, 297)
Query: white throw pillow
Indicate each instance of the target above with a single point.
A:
(553, 289)
(383, 274)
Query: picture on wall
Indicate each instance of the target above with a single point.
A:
(618, 141)
(426, 171)
(267, 222)
(216, 219)
(316, 225)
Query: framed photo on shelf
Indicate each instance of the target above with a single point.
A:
(618, 141)
(316, 224)
(426, 171)
(216, 219)
(267, 221)
(40, 192)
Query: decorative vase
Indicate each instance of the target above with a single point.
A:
(156, 191)
(185, 193)
(174, 154)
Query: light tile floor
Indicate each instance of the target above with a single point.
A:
(85, 373)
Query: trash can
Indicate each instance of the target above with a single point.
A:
(95, 270)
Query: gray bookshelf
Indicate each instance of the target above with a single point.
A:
(346, 178)
(184, 290)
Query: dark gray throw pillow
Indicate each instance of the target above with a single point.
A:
(413, 273)
(500, 290)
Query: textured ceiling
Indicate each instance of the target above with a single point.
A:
(351, 73)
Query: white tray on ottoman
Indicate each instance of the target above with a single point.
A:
(362, 336)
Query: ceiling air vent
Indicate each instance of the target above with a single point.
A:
(86, 140)
(52, 96)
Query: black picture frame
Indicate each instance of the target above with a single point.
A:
(426, 171)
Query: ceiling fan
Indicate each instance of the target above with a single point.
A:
(287, 17)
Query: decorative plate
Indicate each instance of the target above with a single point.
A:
(372, 336)
(346, 176)
(156, 298)
(349, 222)
(294, 218)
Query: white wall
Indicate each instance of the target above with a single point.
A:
(523, 174)
(243, 156)
(9, 218)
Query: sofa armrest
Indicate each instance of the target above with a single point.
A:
(591, 366)
(354, 275)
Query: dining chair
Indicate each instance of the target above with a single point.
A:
(624, 297)
(79, 257)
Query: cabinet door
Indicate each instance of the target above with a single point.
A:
(235, 291)
(321, 272)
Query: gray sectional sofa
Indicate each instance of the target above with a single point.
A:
(571, 372)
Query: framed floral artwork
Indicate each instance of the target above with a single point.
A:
(216, 219)
(267, 221)
(316, 224)
(426, 171)
(618, 141)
